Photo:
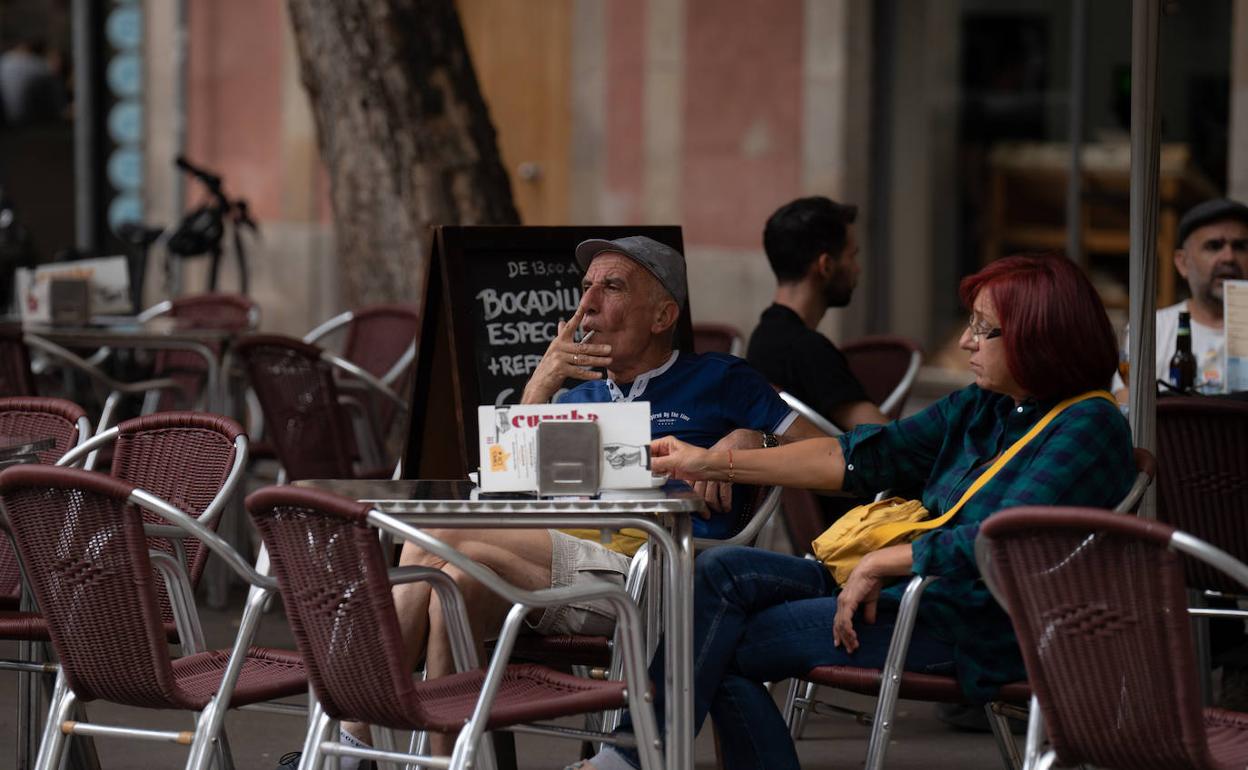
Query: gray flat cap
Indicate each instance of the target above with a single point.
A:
(663, 262)
(1210, 211)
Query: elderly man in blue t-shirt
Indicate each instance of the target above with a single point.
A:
(632, 293)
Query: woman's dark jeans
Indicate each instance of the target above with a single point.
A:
(761, 617)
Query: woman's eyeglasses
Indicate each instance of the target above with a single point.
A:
(981, 331)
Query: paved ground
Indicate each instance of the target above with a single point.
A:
(258, 739)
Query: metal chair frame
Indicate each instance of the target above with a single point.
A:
(208, 741)
(469, 750)
(116, 389)
(1034, 756)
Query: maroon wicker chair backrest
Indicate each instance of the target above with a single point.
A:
(1099, 605)
(86, 555)
(378, 335)
(879, 363)
(228, 312)
(310, 432)
(184, 458)
(33, 418)
(16, 378)
(332, 577)
(1202, 478)
(714, 338)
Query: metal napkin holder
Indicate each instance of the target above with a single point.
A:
(569, 458)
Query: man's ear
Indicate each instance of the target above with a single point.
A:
(1180, 262)
(665, 316)
(824, 265)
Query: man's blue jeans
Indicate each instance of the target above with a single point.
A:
(761, 617)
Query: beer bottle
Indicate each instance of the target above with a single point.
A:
(1183, 364)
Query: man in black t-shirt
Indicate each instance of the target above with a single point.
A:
(812, 250)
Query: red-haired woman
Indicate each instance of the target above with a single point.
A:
(1037, 335)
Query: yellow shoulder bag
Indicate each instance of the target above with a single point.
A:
(871, 527)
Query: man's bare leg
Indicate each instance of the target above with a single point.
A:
(520, 556)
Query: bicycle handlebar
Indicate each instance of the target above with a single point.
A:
(211, 181)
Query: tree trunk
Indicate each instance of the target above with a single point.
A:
(404, 132)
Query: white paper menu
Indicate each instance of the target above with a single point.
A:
(508, 443)
(1235, 320)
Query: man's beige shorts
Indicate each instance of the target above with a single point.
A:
(576, 561)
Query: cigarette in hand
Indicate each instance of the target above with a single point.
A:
(587, 335)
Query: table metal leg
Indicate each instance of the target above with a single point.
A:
(678, 677)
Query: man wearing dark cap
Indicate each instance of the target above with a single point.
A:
(632, 294)
(1212, 247)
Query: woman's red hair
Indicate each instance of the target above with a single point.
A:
(1058, 340)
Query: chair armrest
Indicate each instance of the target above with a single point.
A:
(1133, 496)
(455, 611)
(364, 376)
(805, 410)
(902, 390)
(333, 324)
(210, 539)
(749, 533)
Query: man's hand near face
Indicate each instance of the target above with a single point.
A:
(564, 358)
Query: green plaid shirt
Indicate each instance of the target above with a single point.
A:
(1084, 457)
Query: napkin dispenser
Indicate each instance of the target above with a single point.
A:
(569, 457)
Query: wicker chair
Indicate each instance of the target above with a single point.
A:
(1100, 608)
(193, 460)
(308, 419)
(887, 367)
(82, 539)
(228, 312)
(66, 423)
(337, 592)
(1203, 489)
(54, 418)
(717, 338)
(381, 340)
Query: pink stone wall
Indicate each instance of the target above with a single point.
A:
(624, 134)
(743, 117)
(234, 99)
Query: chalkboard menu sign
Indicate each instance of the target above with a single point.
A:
(494, 297)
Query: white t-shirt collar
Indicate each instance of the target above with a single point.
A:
(639, 385)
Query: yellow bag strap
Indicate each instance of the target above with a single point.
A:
(883, 532)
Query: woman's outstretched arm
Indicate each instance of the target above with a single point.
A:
(816, 463)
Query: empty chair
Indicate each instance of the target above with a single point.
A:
(381, 340)
(23, 419)
(317, 432)
(35, 418)
(887, 367)
(717, 338)
(337, 592)
(378, 338)
(193, 460)
(82, 540)
(1202, 479)
(1100, 608)
(227, 312)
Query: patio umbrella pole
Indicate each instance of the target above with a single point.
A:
(1145, 159)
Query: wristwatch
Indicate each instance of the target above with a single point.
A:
(770, 440)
